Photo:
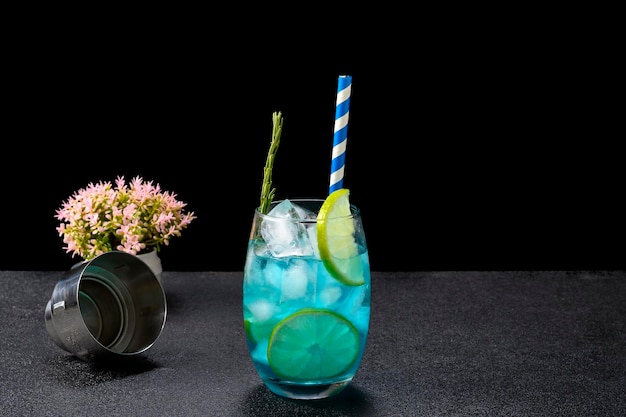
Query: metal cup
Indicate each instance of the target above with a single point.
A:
(109, 306)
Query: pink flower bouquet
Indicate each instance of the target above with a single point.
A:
(136, 218)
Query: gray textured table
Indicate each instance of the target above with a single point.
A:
(440, 344)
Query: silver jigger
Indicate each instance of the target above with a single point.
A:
(109, 306)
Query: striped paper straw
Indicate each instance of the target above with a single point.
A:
(340, 138)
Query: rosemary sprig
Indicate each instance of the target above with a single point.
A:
(267, 192)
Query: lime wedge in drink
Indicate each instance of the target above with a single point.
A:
(335, 239)
(257, 331)
(312, 344)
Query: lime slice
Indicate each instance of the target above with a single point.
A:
(312, 344)
(257, 331)
(335, 239)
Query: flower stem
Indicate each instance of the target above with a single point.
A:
(267, 192)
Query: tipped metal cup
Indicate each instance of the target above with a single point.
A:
(109, 306)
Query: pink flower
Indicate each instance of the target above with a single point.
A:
(135, 217)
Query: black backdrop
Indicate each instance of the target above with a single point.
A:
(466, 150)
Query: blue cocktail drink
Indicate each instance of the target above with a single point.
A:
(306, 295)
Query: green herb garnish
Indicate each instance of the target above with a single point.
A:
(267, 192)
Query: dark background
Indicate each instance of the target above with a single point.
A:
(475, 144)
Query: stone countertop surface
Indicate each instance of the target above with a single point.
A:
(449, 343)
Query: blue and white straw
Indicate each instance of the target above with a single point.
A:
(340, 138)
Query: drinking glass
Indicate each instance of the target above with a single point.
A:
(306, 319)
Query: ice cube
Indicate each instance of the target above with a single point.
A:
(304, 213)
(330, 295)
(311, 229)
(261, 310)
(295, 280)
(286, 238)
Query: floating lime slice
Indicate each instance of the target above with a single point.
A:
(312, 344)
(335, 239)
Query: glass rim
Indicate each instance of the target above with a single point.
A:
(354, 210)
